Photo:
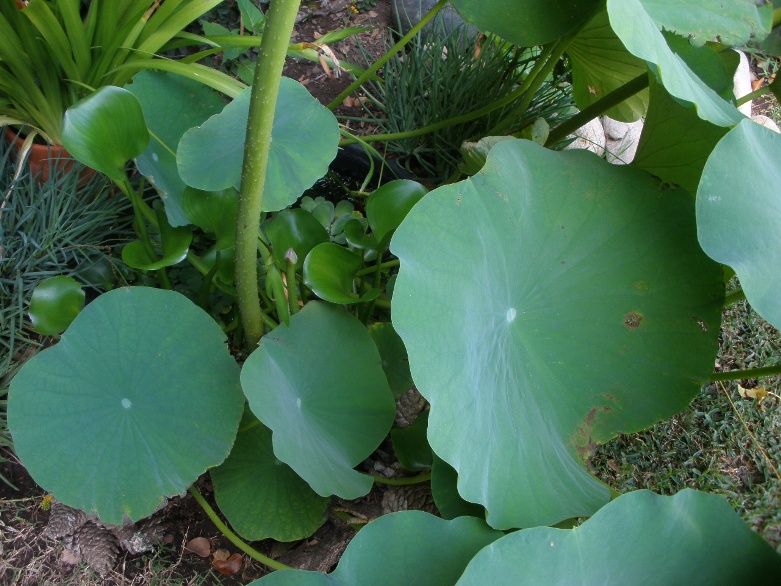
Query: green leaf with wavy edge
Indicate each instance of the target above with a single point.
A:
(444, 490)
(639, 538)
(105, 131)
(262, 497)
(319, 386)
(675, 142)
(525, 22)
(410, 547)
(544, 313)
(172, 104)
(55, 303)
(600, 65)
(174, 242)
(304, 141)
(394, 357)
(739, 213)
(297, 229)
(638, 22)
(329, 271)
(151, 400)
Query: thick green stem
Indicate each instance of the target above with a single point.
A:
(746, 374)
(598, 108)
(280, 19)
(232, 537)
(387, 56)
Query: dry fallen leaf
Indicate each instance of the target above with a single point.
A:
(230, 566)
(757, 393)
(199, 546)
(221, 555)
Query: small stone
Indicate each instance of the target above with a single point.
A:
(590, 136)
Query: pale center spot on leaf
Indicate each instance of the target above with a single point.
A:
(126, 403)
(511, 315)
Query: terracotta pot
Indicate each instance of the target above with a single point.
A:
(43, 157)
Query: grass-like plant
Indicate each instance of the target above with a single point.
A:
(445, 74)
(58, 228)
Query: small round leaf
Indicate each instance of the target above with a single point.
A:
(297, 229)
(55, 303)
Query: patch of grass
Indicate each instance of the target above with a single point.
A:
(722, 443)
(58, 228)
(444, 74)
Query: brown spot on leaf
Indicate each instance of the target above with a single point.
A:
(583, 438)
(632, 320)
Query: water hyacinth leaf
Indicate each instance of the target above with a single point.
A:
(304, 141)
(172, 104)
(675, 143)
(579, 306)
(106, 130)
(638, 24)
(411, 547)
(411, 446)
(55, 303)
(262, 497)
(329, 270)
(739, 213)
(639, 538)
(600, 65)
(355, 232)
(319, 386)
(174, 242)
(389, 204)
(394, 357)
(150, 402)
(297, 229)
(525, 22)
(214, 212)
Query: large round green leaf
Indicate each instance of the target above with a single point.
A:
(600, 65)
(547, 304)
(106, 130)
(303, 143)
(739, 213)
(525, 22)
(137, 400)
(320, 387)
(638, 24)
(409, 547)
(640, 538)
(172, 104)
(262, 497)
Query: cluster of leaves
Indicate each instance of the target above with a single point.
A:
(544, 305)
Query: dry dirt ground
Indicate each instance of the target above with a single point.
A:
(28, 558)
